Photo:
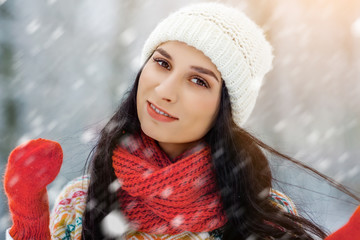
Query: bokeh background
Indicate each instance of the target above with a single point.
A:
(65, 66)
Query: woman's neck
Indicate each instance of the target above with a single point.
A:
(175, 149)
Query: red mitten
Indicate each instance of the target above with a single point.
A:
(350, 231)
(31, 167)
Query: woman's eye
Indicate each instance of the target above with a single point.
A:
(199, 82)
(162, 63)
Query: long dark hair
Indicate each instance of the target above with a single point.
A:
(242, 173)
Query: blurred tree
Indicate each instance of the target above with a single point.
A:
(8, 103)
(8, 106)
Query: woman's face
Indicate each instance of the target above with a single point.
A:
(178, 96)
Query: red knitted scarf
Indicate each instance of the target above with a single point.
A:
(161, 196)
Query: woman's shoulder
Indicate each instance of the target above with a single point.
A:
(282, 201)
(67, 214)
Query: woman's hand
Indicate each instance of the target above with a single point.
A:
(31, 167)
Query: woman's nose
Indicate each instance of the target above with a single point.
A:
(168, 88)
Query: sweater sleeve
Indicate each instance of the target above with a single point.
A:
(66, 216)
(282, 201)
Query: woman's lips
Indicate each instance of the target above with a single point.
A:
(159, 114)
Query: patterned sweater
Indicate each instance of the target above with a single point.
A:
(66, 217)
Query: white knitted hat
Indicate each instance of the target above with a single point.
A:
(234, 43)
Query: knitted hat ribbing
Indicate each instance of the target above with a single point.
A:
(234, 43)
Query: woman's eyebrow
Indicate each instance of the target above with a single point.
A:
(164, 53)
(196, 68)
(204, 71)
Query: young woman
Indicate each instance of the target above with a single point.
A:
(174, 160)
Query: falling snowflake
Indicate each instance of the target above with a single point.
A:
(77, 84)
(51, 2)
(127, 37)
(33, 26)
(114, 224)
(58, 32)
(177, 221)
(115, 185)
(148, 152)
(355, 28)
(280, 126)
(87, 136)
(166, 192)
